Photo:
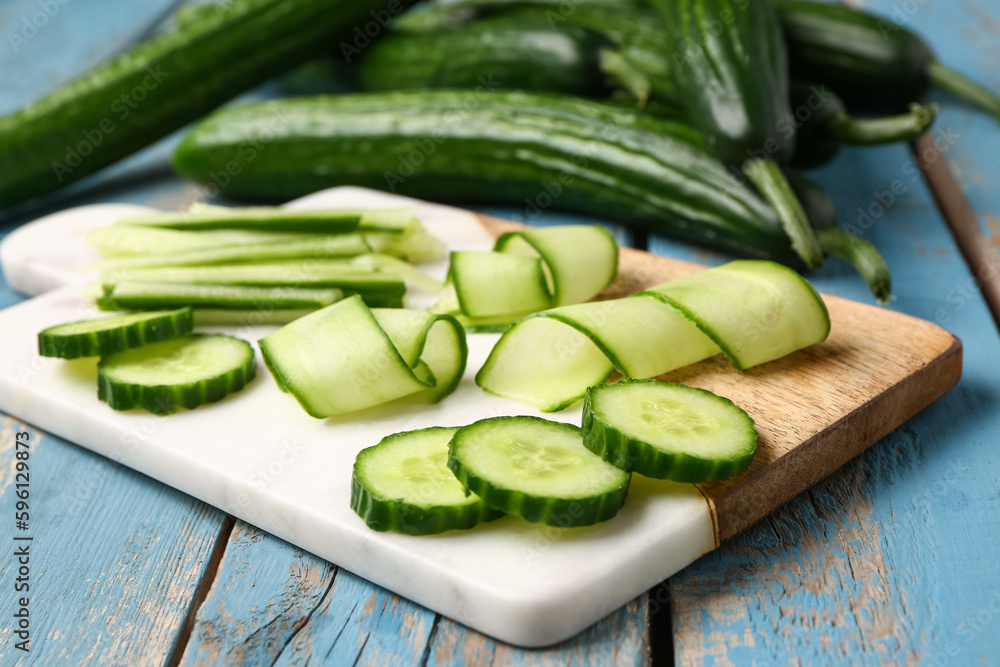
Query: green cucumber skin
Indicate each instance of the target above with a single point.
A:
(562, 513)
(525, 49)
(402, 517)
(167, 399)
(504, 147)
(735, 80)
(173, 324)
(161, 85)
(636, 456)
(873, 69)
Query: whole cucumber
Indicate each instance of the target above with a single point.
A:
(146, 93)
(523, 149)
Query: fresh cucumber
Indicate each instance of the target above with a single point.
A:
(164, 83)
(754, 311)
(136, 295)
(101, 337)
(595, 158)
(538, 470)
(347, 357)
(403, 484)
(180, 373)
(668, 431)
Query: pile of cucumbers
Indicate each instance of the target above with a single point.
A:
(684, 117)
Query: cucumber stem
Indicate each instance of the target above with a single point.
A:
(888, 130)
(774, 187)
(946, 78)
(863, 256)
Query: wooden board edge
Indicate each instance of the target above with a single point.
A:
(739, 506)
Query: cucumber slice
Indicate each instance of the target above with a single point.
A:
(538, 470)
(403, 484)
(101, 337)
(312, 247)
(180, 373)
(347, 357)
(668, 431)
(204, 216)
(754, 311)
(133, 240)
(143, 295)
(489, 284)
(210, 317)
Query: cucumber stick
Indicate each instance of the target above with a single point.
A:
(101, 337)
(538, 470)
(753, 311)
(165, 83)
(180, 373)
(403, 484)
(668, 431)
(136, 295)
(348, 357)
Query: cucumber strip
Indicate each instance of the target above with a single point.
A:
(315, 246)
(538, 470)
(131, 240)
(403, 484)
(247, 317)
(204, 216)
(529, 271)
(579, 260)
(668, 431)
(347, 357)
(101, 337)
(752, 310)
(134, 295)
(409, 273)
(180, 373)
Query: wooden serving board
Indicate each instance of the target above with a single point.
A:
(259, 457)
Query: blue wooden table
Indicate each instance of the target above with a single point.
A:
(892, 560)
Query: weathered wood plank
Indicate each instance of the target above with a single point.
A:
(115, 559)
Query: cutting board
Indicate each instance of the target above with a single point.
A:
(258, 456)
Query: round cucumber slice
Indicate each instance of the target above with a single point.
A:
(103, 336)
(403, 484)
(668, 431)
(180, 373)
(538, 470)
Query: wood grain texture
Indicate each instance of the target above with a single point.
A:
(115, 557)
(276, 604)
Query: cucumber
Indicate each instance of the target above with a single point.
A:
(403, 484)
(538, 470)
(181, 373)
(101, 337)
(598, 158)
(314, 247)
(253, 218)
(668, 431)
(164, 83)
(347, 357)
(753, 311)
(136, 295)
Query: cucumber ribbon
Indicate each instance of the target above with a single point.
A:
(348, 357)
(529, 271)
(752, 310)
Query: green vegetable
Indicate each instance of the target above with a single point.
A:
(538, 470)
(180, 373)
(596, 158)
(752, 311)
(403, 484)
(347, 357)
(136, 295)
(875, 65)
(734, 83)
(529, 271)
(668, 431)
(163, 84)
(101, 337)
